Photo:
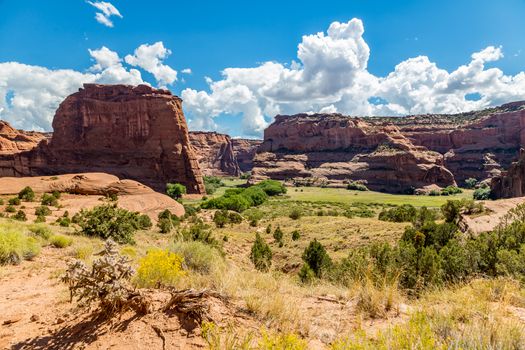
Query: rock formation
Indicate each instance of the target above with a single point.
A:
(393, 153)
(84, 191)
(331, 148)
(137, 133)
(15, 141)
(245, 150)
(215, 153)
(510, 183)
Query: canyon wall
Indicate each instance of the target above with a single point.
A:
(510, 183)
(333, 149)
(137, 133)
(215, 153)
(245, 150)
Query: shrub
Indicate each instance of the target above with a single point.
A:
(42, 211)
(482, 193)
(16, 246)
(278, 234)
(83, 252)
(143, 222)
(20, 216)
(14, 201)
(167, 221)
(261, 254)
(49, 199)
(26, 194)
(356, 186)
(41, 230)
(220, 218)
(295, 214)
(64, 221)
(10, 208)
(269, 228)
(60, 241)
(434, 193)
(253, 216)
(200, 232)
(159, 268)
(272, 187)
(56, 194)
(2, 201)
(190, 210)
(176, 190)
(212, 183)
(295, 235)
(402, 213)
(316, 257)
(199, 257)
(451, 210)
(285, 341)
(306, 274)
(451, 190)
(39, 219)
(234, 218)
(470, 183)
(106, 283)
(108, 221)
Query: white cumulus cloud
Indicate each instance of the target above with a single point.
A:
(107, 10)
(330, 75)
(149, 58)
(30, 95)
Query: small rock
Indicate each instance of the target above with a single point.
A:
(60, 320)
(34, 318)
(12, 320)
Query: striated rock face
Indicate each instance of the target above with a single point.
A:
(245, 150)
(15, 141)
(215, 153)
(331, 148)
(510, 183)
(475, 144)
(137, 133)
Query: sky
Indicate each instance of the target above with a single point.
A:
(237, 64)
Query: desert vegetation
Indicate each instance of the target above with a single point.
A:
(302, 272)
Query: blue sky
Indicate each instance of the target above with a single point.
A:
(209, 36)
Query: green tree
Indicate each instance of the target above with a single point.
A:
(317, 258)
(261, 254)
(26, 194)
(175, 191)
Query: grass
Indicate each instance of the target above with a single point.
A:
(339, 195)
(60, 241)
(15, 244)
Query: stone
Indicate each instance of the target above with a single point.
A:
(510, 183)
(245, 150)
(215, 153)
(137, 133)
(333, 148)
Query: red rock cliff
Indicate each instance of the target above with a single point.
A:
(245, 150)
(137, 133)
(215, 153)
(333, 148)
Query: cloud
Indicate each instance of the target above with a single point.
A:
(186, 71)
(330, 75)
(107, 10)
(30, 95)
(149, 58)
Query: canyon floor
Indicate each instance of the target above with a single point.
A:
(262, 310)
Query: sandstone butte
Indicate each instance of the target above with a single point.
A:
(392, 154)
(137, 133)
(215, 153)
